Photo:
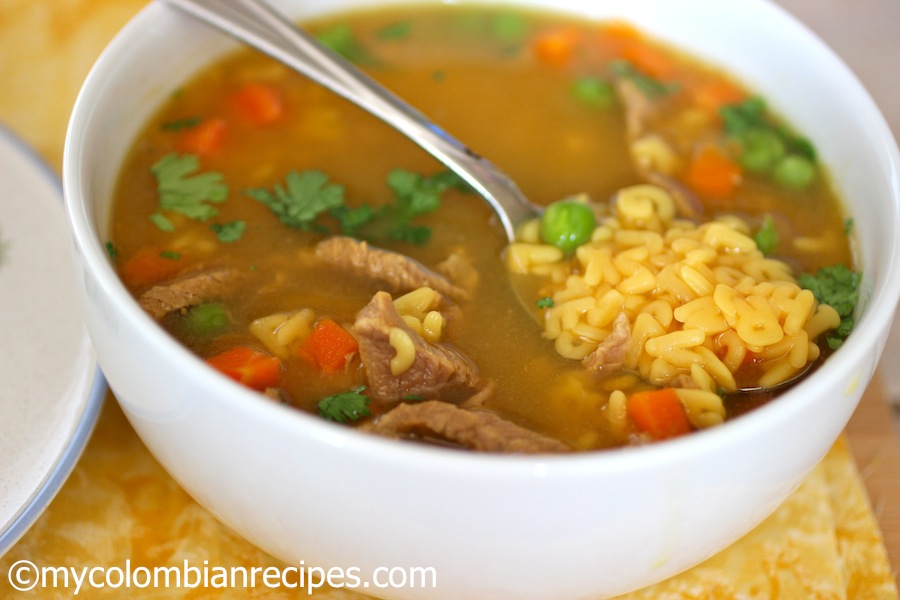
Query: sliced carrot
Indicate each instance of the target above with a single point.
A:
(712, 173)
(204, 139)
(712, 95)
(258, 103)
(556, 47)
(249, 366)
(146, 267)
(658, 413)
(329, 346)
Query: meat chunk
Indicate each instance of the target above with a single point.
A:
(640, 113)
(188, 290)
(479, 430)
(610, 354)
(399, 272)
(436, 371)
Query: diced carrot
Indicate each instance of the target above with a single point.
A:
(249, 366)
(648, 59)
(658, 413)
(712, 173)
(712, 95)
(146, 267)
(203, 139)
(556, 47)
(629, 44)
(258, 103)
(329, 346)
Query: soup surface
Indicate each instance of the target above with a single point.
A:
(266, 224)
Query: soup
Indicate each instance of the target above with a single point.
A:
(305, 249)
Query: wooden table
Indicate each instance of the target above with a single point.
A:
(872, 435)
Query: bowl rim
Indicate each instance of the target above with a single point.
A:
(875, 322)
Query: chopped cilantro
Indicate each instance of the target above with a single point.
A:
(302, 199)
(545, 302)
(206, 320)
(229, 232)
(171, 255)
(162, 222)
(414, 397)
(341, 39)
(594, 92)
(346, 406)
(509, 26)
(180, 124)
(308, 196)
(181, 189)
(848, 225)
(351, 219)
(395, 31)
(648, 86)
(767, 236)
(838, 287)
(416, 195)
(111, 250)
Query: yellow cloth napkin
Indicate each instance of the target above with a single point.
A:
(120, 507)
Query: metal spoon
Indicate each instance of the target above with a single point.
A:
(257, 24)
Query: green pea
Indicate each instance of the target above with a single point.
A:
(794, 171)
(207, 319)
(595, 92)
(567, 224)
(760, 149)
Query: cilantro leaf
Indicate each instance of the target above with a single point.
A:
(181, 189)
(416, 195)
(304, 197)
(341, 40)
(351, 219)
(395, 31)
(162, 222)
(838, 287)
(229, 232)
(346, 406)
(767, 237)
(648, 86)
(180, 124)
(545, 302)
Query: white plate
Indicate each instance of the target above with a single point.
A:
(51, 389)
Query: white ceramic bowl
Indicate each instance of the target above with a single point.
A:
(590, 525)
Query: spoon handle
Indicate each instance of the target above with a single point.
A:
(260, 26)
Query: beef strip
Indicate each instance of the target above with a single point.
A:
(479, 430)
(640, 111)
(399, 272)
(188, 290)
(438, 370)
(610, 354)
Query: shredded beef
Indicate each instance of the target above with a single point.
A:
(399, 272)
(479, 430)
(611, 352)
(188, 290)
(438, 370)
(640, 112)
